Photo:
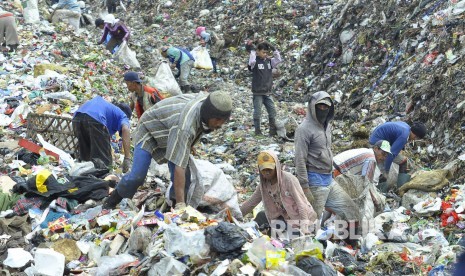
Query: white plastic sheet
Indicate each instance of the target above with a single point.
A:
(202, 58)
(127, 56)
(17, 257)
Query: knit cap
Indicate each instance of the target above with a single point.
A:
(217, 105)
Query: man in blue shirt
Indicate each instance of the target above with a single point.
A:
(397, 134)
(94, 123)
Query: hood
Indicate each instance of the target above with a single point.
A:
(311, 115)
(199, 30)
(279, 170)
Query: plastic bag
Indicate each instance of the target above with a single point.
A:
(227, 239)
(210, 187)
(31, 11)
(49, 262)
(167, 266)
(202, 58)
(127, 56)
(106, 263)
(315, 267)
(164, 81)
(180, 242)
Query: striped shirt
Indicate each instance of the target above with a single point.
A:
(170, 128)
(357, 162)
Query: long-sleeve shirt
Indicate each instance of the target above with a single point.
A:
(118, 31)
(287, 199)
(170, 128)
(177, 56)
(396, 133)
(358, 162)
(275, 60)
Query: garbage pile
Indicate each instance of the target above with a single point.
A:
(401, 62)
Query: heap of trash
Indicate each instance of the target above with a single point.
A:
(379, 61)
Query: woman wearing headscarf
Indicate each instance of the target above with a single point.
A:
(115, 28)
(282, 196)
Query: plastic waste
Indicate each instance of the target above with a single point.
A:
(106, 263)
(164, 81)
(17, 258)
(167, 266)
(49, 262)
(181, 243)
(257, 251)
(202, 58)
(314, 266)
(31, 11)
(127, 56)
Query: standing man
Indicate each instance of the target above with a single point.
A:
(116, 29)
(143, 97)
(8, 33)
(362, 161)
(184, 61)
(314, 160)
(68, 11)
(262, 84)
(214, 42)
(397, 134)
(94, 123)
(166, 133)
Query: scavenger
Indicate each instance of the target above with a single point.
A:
(281, 194)
(167, 132)
(94, 123)
(143, 96)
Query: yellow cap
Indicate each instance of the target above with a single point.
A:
(266, 161)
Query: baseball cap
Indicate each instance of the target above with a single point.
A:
(132, 76)
(384, 145)
(325, 101)
(265, 161)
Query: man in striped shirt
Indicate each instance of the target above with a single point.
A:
(362, 161)
(166, 133)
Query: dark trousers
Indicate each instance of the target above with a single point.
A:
(214, 62)
(171, 167)
(93, 139)
(111, 6)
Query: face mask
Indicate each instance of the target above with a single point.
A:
(321, 115)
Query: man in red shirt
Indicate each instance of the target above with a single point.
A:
(143, 96)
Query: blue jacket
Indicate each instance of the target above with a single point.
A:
(396, 133)
(105, 113)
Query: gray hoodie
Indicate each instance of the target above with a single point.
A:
(313, 143)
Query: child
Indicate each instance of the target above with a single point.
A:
(262, 82)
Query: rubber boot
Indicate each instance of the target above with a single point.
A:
(112, 200)
(256, 124)
(273, 129)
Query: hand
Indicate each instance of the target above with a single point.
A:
(249, 46)
(193, 151)
(180, 206)
(126, 164)
(308, 194)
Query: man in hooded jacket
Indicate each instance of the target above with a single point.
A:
(314, 160)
